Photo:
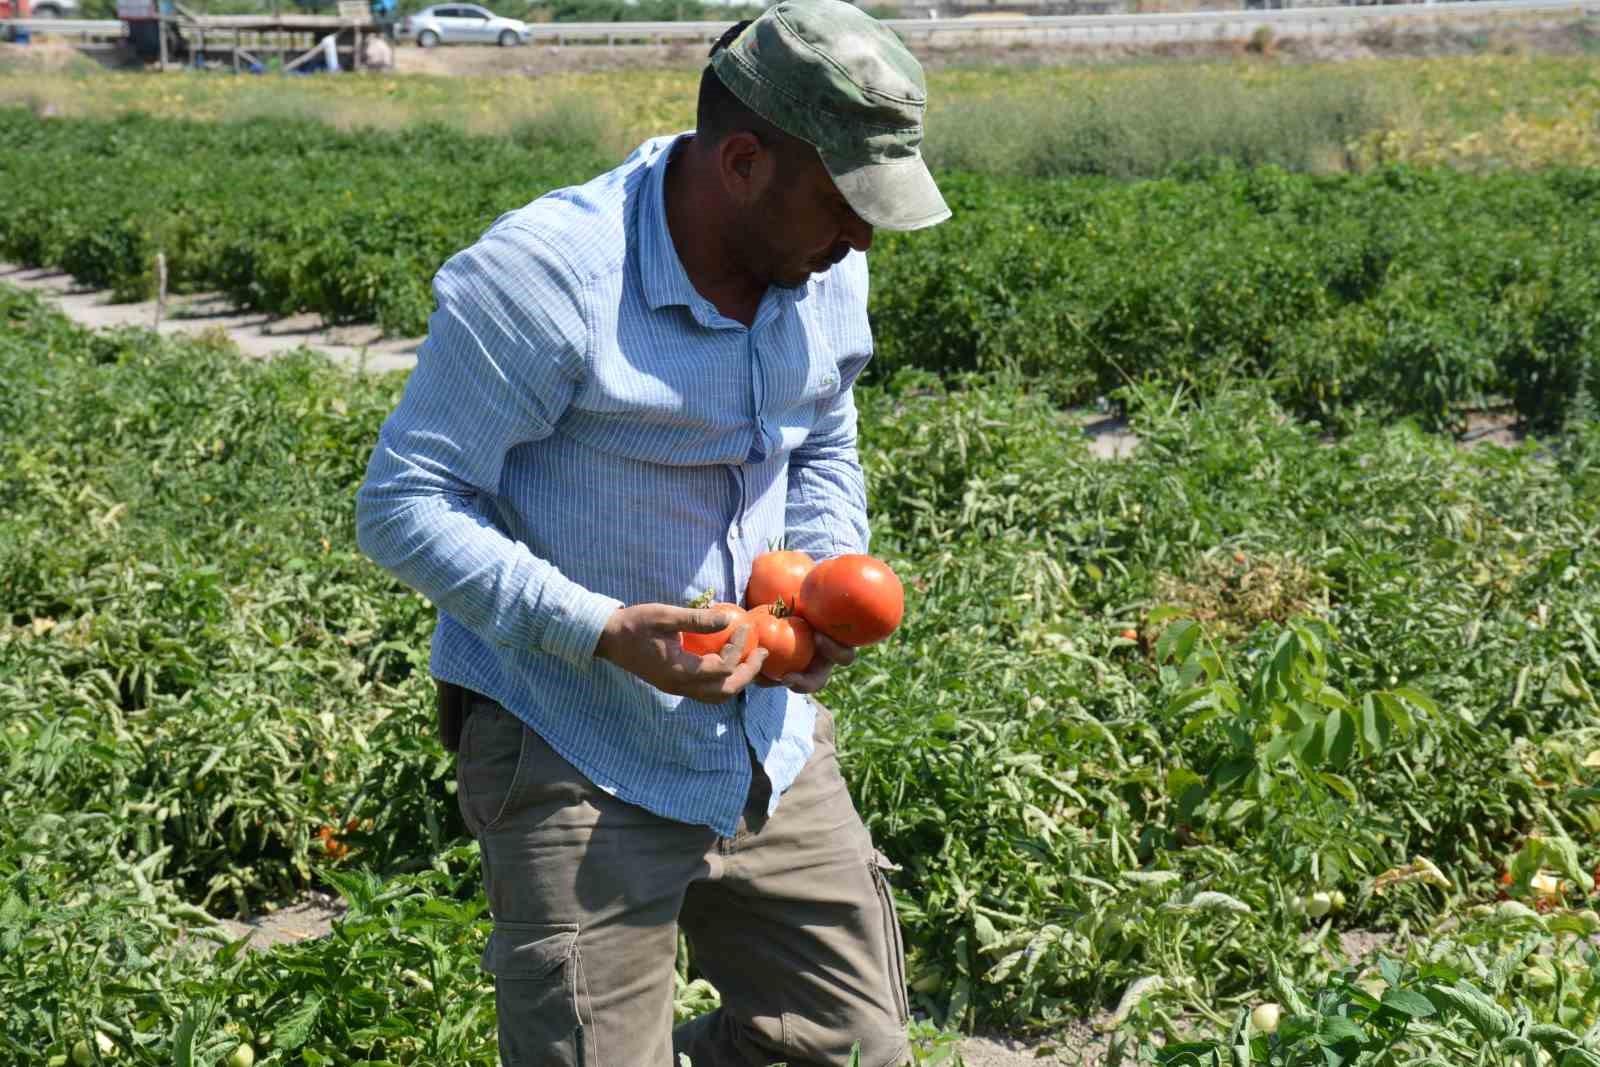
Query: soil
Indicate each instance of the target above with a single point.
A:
(256, 333)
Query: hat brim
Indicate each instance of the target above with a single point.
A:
(896, 195)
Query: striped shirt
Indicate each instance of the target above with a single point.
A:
(583, 430)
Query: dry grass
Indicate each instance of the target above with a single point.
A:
(1479, 111)
(1232, 594)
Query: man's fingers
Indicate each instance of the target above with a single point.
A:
(740, 640)
(745, 673)
(811, 679)
(699, 620)
(833, 651)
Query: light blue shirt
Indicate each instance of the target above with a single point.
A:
(583, 430)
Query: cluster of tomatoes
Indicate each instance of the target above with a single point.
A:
(854, 599)
(328, 840)
(1549, 892)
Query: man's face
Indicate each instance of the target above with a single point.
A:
(799, 225)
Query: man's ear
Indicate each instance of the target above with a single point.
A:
(743, 162)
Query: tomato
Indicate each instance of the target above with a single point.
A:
(787, 638)
(82, 1055)
(1130, 635)
(711, 644)
(855, 599)
(243, 1056)
(777, 576)
(1318, 904)
(1265, 1018)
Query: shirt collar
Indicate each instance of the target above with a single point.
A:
(664, 279)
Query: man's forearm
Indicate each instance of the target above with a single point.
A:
(436, 543)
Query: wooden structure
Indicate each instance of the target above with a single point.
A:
(248, 42)
(296, 41)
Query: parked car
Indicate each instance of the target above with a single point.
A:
(55, 9)
(461, 24)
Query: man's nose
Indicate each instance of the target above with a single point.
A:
(858, 232)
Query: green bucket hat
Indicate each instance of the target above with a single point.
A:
(835, 77)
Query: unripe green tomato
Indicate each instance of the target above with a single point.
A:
(243, 1056)
(1591, 920)
(84, 1058)
(1338, 900)
(1265, 1018)
(1318, 904)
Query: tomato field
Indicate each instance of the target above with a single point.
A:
(1276, 741)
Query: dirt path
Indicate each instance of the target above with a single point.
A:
(256, 333)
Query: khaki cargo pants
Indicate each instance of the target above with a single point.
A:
(790, 918)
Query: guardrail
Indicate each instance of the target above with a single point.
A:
(1062, 27)
(69, 27)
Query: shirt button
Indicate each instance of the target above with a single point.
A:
(733, 532)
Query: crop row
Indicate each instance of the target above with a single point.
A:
(1138, 714)
(1397, 292)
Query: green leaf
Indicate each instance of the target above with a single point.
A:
(1562, 854)
(1417, 699)
(1180, 780)
(1371, 733)
(1408, 1002)
(1336, 1029)
(1339, 737)
(1307, 744)
(1395, 711)
(1231, 772)
(296, 1027)
(1339, 784)
(1177, 641)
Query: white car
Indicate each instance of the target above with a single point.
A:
(55, 9)
(461, 24)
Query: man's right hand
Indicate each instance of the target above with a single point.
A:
(643, 640)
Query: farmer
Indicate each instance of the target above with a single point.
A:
(629, 390)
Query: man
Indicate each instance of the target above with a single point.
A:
(629, 390)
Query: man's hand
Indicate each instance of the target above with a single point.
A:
(830, 654)
(643, 640)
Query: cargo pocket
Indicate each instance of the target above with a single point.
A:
(894, 948)
(540, 994)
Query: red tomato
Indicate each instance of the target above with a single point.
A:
(711, 644)
(856, 599)
(787, 639)
(777, 576)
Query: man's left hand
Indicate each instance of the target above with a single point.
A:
(830, 654)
